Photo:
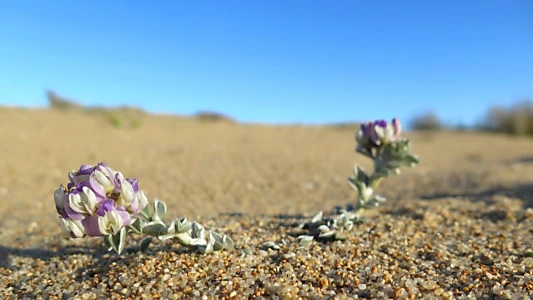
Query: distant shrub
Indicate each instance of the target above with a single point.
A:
(57, 102)
(516, 119)
(116, 117)
(207, 116)
(426, 121)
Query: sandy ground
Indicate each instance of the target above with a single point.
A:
(247, 181)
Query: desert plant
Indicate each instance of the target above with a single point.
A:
(381, 142)
(516, 119)
(426, 121)
(60, 103)
(208, 117)
(100, 202)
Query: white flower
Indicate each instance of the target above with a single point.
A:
(110, 223)
(83, 202)
(71, 228)
(105, 180)
(127, 193)
(143, 201)
(384, 133)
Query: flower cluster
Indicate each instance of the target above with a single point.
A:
(98, 201)
(374, 134)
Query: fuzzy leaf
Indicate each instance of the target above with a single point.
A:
(317, 218)
(155, 228)
(160, 210)
(146, 213)
(197, 231)
(411, 159)
(270, 245)
(305, 240)
(181, 226)
(136, 226)
(117, 241)
(228, 243)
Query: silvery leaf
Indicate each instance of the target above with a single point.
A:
(341, 220)
(228, 243)
(270, 245)
(183, 239)
(181, 226)
(147, 212)
(155, 228)
(317, 218)
(197, 242)
(305, 240)
(217, 241)
(348, 226)
(160, 210)
(216, 236)
(145, 243)
(207, 248)
(118, 241)
(107, 243)
(323, 228)
(326, 234)
(197, 231)
(136, 226)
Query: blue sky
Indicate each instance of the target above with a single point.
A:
(271, 61)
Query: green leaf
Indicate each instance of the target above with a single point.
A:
(411, 159)
(363, 150)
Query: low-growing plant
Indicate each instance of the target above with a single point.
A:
(381, 142)
(100, 202)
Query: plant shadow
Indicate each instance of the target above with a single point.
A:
(523, 192)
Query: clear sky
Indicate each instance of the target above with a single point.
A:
(271, 61)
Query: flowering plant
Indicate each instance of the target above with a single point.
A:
(100, 202)
(381, 142)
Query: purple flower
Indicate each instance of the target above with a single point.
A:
(98, 199)
(80, 175)
(378, 132)
(109, 219)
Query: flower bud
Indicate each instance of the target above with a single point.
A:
(127, 194)
(80, 175)
(362, 135)
(397, 127)
(71, 228)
